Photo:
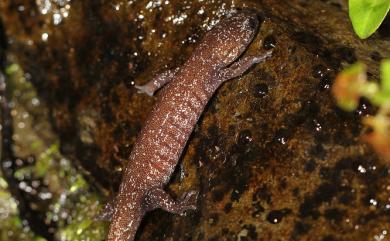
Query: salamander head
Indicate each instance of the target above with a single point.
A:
(227, 40)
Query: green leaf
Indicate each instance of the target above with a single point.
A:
(367, 15)
(10, 69)
(38, 238)
(385, 75)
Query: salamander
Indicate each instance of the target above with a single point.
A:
(185, 93)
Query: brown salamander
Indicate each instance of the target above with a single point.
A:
(172, 119)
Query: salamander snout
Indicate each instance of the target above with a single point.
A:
(248, 18)
(235, 33)
(227, 40)
(245, 19)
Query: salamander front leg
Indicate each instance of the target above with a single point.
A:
(242, 65)
(157, 82)
(158, 198)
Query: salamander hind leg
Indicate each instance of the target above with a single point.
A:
(158, 198)
(157, 82)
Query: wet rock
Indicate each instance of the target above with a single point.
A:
(248, 155)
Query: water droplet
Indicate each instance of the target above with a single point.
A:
(282, 135)
(260, 90)
(276, 216)
(317, 125)
(381, 235)
(21, 8)
(373, 202)
(319, 71)
(325, 83)
(21, 125)
(244, 137)
(35, 101)
(269, 42)
(361, 169)
(45, 36)
(57, 18)
(364, 108)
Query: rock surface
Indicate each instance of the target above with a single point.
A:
(272, 156)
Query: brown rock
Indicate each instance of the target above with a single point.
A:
(280, 164)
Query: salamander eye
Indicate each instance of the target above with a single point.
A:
(252, 23)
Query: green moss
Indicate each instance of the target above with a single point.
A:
(74, 205)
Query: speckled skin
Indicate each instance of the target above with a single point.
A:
(170, 123)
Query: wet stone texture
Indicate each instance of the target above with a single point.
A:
(272, 156)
